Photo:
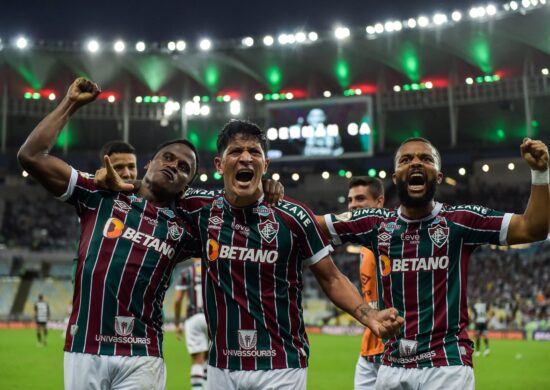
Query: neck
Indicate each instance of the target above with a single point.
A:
(415, 213)
(242, 201)
(160, 198)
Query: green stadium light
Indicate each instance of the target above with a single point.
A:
(27, 95)
(481, 53)
(479, 79)
(488, 79)
(155, 99)
(535, 123)
(410, 62)
(371, 172)
(36, 95)
(217, 176)
(274, 77)
(406, 87)
(211, 77)
(341, 173)
(501, 135)
(342, 72)
(163, 99)
(147, 99)
(205, 99)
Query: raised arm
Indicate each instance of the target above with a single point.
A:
(533, 224)
(34, 156)
(385, 323)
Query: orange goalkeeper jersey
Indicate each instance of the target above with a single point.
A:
(370, 345)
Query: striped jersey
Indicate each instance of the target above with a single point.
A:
(371, 346)
(41, 311)
(252, 279)
(128, 248)
(190, 281)
(422, 272)
(480, 313)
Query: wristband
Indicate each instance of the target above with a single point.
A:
(540, 178)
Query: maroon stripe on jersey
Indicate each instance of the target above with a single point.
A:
(410, 289)
(129, 277)
(465, 254)
(268, 299)
(472, 219)
(238, 276)
(384, 250)
(221, 311)
(98, 287)
(293, 271)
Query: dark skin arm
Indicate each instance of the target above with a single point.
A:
(34, 155)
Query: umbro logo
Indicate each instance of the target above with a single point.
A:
(122, 206)
(384, 239)
(215, 222)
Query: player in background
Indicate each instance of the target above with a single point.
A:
(253, 257)
(41, 317)
(481, 314)
(365, 191)
(129, 245)
(422, 249)
(196, 329)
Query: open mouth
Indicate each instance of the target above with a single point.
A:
(244, 176)
(416, 181)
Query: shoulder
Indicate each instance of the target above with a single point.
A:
(466, 209)
(294, 209)
(200, 193)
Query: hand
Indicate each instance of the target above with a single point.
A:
(385, 323)
(274, 191)
(535, 153)
(179, 333)
(83, 91)
(108, 179)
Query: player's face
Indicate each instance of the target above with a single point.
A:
(242, 165)
(361, 196)
(125, 164)
(416, 174)
(172, 168)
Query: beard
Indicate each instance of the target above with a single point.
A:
(416, 202)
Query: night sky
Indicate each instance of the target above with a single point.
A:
(216, 19)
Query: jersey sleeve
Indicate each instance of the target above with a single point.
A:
(194, 200)
(482, 225)
(355, 226)
(81, 192)
(367, 273)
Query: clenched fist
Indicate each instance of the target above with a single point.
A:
(535, 153)
(83, 91)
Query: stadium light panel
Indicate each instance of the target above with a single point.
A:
(349, 174)
(119, 46)
(525, 3)
(92, 46)
(491, 10)
(396, 88)
(462, 171)
(511, 166)
(544, 71)
(25, 174)
(327, 94)
(514, 5)
(180, 45)
(379, 28)
(111, 99)
(397, 25)
(388, 26)
(203, 177)
(428, 84)
(291, 39)
(456, 16)
(205, 44)
(353, 129)
(140, 46)
(325, 175)
(275, 176)
(205, 110)
(268, 40)
(171, 45)
(22, 43)
(423, 21)
(485, 168)
(313, 36)
(440, 19)
(272, 134)
(382, 174)
(469, 81)
(248, 41)
(411, 23)
(295, 176)
(282, 39)
(300, 37)
(259, 97)
(342, 33)
(51, 96)
(235, 107)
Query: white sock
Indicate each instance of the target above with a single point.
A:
(197, 376)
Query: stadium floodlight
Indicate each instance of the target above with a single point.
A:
(22, 43)
(382, 174)
(300, 37)
(119, 46)
(272, 134)
(111, 99)
(428, 84)
(353, 129)
(388, 26)
(342, 32)
(171, 46)
(349, 174)
(423, 21)
(396, 88)
(525, 3)
(534, 3)
(511, 166)
(485, 168)
(543, 2)
(248, 41)
(235, 107)
(379, 28)
(289, 95)
(203, 177)
(456, 16)
(259, 97)
(275, 176)
(491, 10)
(205, 110)
(462, 171)
(544, 71)
(139, 99)
(514, 5)
(140, 46)
(93, 46)
(313, 36)
(51, 96)
(291, 38)
(327, 94)
(295, 176)
(440, 19)
(325, 175)
(180, 45)
(205, 44)
(411, 23)
(370, 30)
(397, 25)
(469, 81)
(268, 40)
(284, 133)
(283, 39)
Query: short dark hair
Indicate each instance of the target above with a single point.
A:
(238, 126)
(374, 184)
(184, 142)
(112, 147)
(418, 139)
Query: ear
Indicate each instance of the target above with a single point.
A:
(218, 164)
(266, 165)
(380, 201)
(393, 178)
(439, 178)
(146, 167)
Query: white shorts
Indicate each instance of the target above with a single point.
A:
(434, 378)
(196, 333)
(282, 379)
(365, 374)
(84, 371)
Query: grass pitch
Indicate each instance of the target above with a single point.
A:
(511, 365)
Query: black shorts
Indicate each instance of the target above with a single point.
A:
(481, 327)
(41, 324)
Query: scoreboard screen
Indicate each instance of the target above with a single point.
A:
(320, 129)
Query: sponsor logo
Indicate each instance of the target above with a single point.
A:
(407, 347)
(297, 212)
(390, 226)
(174, 230)
(101, 338)
(114, 228)
(135, 199)
(124, 325)
(122, 206)
(215, 222)
(216, 251)
(411, 359)
(412, 238)
(250, 353)
(262, 210)
(245, 230)
(168, 212)
(438, 235)
(385, 264)
(74, 329)
(384, 239)
(268, 230)
(248, 338)
(420, 264)
(344, 217)
(151, 221)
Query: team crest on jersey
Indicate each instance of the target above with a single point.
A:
(122, 206)
(268, 230)
(439, 235)
(407, 347)
(248, 338)
(168, 212)
(175, 230)
(344, 217)
(124, 325)
(262, 210)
